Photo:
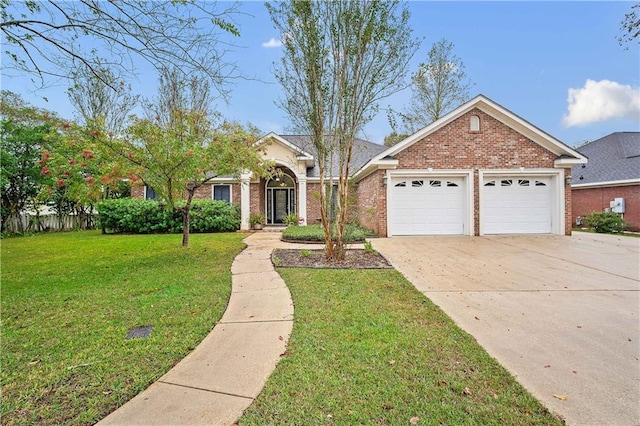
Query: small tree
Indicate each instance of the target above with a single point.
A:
(340, 59)
(178, 159)
(437, 86)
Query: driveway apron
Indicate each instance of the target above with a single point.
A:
(560, 313)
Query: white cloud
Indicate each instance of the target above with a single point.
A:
(273, 42)
(601, 101)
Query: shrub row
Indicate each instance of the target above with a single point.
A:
(352, 233)
(135, 216)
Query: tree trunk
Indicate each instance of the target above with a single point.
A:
(185, 218)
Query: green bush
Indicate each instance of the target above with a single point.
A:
(605, 222)
(135, 216)
(352, 233)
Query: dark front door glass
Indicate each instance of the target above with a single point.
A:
(281, 204)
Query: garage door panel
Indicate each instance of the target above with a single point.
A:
(421, 206)
(516, 205)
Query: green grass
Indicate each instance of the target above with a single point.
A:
(620, 234)
(368, 349)
(316, 233)
(68, 300)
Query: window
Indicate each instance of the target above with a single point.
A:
(523, 182)
(474, 123)
(506, 182)
(452, 184)
(435, 183)
(490, 183)
(417, 183)
(538, 183)
(401, 184)
(150, 193)
(222, 193)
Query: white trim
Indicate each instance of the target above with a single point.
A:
(302, 201)
(624, 182)
(230, 185)
(245, 201)
(557, 186)
(466, 174)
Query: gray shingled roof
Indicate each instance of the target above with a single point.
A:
(363, 151)
(611, 158)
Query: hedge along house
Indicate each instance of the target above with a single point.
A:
(478, 170)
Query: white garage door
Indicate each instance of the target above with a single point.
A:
(426, 206)
(516, 205)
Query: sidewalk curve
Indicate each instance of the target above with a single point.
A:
(222, 376)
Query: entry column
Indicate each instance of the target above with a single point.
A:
(302, 205)
(245, 201)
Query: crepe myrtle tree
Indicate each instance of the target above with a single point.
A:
(178, 158)
(340, 59)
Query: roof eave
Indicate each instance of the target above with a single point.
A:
(623, 182)
(372, 166)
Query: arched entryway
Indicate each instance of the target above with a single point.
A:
(281, 198)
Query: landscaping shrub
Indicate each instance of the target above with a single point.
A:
(135, 216)
(352, 233)
(605, 222)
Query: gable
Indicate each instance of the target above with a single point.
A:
(455, 146)
(492, 112)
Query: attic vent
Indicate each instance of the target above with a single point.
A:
(474, 123)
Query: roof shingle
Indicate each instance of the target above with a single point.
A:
(612, 158)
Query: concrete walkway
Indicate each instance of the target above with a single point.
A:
(216, 382)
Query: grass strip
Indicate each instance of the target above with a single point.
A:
(367, 348)
(69, 299)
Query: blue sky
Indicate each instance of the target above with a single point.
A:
(556, 64)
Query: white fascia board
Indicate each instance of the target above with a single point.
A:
(431, 172)
(372, 166)
(569, 162)
(521, 172)
(625, 182)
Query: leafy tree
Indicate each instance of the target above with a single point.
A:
(340, 59)
(630, 25)
(44, 38)
(24, 137)
(73, 168)
(437, 86)
(179, 158)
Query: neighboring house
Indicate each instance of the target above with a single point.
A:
(611, 179)
(478, 170)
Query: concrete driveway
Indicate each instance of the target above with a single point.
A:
(560, 313)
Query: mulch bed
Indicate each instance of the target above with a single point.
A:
(354, 259)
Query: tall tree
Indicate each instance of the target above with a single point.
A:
(437, 86)
(44, 38)
(630, 25)
(105, 106)
(340, 59)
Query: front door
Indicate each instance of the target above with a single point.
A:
(280, 204)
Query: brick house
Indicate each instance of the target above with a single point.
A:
(611, 179)
(478, 170)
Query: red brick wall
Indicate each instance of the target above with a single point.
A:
(137, 191)
(454, 146)
(372, 203)
(587, 200)
(313, 203)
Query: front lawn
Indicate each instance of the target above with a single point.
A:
(369, 349)
(68, 301)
